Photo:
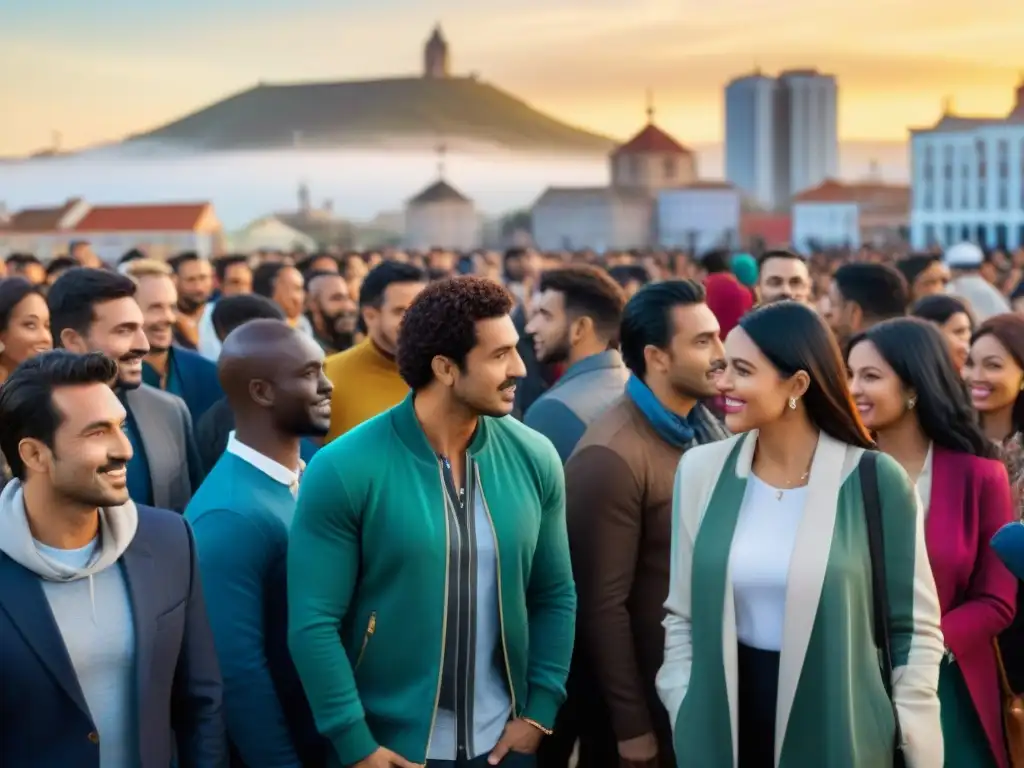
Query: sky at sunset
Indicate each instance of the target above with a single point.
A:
(96, 75)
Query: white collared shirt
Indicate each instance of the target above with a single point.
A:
(265, 464)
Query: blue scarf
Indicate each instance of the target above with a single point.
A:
(674, 429)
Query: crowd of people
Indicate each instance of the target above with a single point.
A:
(532, 510)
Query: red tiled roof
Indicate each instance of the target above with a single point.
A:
(652, 139)
(40, 219)
(182, 217)
(708, 184)
(832, 191)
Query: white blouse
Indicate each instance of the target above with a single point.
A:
(762, 547)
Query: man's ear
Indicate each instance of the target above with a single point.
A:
(73, 341)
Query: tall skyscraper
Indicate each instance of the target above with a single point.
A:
(781, 134)
(750, 136)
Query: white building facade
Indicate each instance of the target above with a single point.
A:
(269, 233)
(826, 225)
(781, 134)
(599, 218)
(441, 217)
(699, 217)
(967, 176)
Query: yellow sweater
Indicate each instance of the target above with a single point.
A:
(365, 383)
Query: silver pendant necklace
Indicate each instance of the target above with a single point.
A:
(779, 492)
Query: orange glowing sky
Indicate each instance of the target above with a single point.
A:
(98, 75)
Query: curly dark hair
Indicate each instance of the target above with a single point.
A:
(442, 321)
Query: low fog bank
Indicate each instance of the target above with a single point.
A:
(359, 183)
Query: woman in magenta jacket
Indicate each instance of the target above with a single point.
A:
(909, 394)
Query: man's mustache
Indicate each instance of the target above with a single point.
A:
(113, 465)
(133, 355)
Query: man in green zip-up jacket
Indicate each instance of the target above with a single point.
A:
(431, 600)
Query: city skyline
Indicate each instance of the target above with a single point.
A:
(98, 76)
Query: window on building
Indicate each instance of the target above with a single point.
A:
(929, 234)
(981, 235)
(1004, 196)
(965, 188)
(671, 167)
(979, 149)
(950, 235)
(929, 196)
(1002, 236)
(947, 196)
(1020, 236)
(1003, 154)
(965, 232)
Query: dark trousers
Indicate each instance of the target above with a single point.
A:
(758, 692)
(583, 718)
(512, 760)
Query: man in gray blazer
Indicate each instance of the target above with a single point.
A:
(93, 310)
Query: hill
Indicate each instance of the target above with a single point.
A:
(413, 110)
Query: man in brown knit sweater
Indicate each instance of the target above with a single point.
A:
(619, 508)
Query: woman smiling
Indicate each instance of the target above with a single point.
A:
(909, 394)
(770, 651)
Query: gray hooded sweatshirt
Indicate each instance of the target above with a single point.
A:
(88, 596)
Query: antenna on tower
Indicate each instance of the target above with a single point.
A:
(441, 152)
(650, 106)
(947, 105)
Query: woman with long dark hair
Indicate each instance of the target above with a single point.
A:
(770, 656)
(953, 319)
(24, 332)
(910, 395)
(994, 373)
(24, 323)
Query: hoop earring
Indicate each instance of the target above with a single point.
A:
(792, 403)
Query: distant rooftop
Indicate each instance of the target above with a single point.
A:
(439, 192)
(869, 195)
(951, 122)
(40, 219)
(184, 217)
(803, 72)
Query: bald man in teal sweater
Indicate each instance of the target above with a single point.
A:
(274, 381)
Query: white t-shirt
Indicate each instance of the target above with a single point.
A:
(762, 547)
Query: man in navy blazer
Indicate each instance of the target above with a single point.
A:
(106, 654)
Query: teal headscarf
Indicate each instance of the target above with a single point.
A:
(744, 267)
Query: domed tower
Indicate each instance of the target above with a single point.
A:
(435, 55)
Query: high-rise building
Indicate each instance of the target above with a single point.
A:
(808, 115)
(750, 143)
(781, 134)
